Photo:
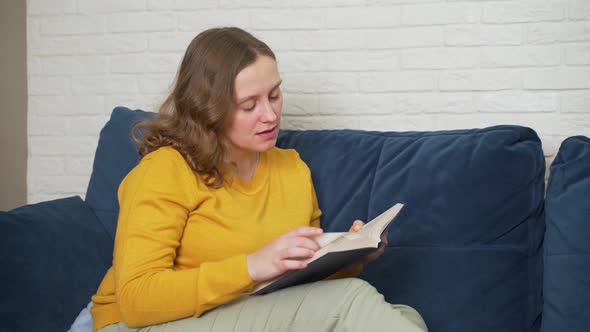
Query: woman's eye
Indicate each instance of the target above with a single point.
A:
(249, 107)
(274, 97)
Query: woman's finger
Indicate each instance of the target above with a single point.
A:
(304, 231)
(288, 264)
(304, 242)
(296, 252)
(356, 226)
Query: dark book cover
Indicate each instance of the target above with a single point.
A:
(317, 270)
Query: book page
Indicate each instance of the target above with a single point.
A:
(375, 227)
(327, 238)
(350, 241)
(368, 236)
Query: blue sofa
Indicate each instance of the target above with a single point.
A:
(471, 250)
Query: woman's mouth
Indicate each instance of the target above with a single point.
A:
(267, 134)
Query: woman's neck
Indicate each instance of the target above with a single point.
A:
(246, 165)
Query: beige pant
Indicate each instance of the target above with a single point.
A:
(335, 305)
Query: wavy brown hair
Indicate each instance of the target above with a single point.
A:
(195, 115)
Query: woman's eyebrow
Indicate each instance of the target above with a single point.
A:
(276, 85)
(254, 96)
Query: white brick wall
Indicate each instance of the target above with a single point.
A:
(366, 64)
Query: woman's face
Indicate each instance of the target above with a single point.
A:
(255, 124)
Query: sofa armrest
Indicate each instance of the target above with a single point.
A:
(54, 255)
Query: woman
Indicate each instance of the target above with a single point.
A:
(213, 209)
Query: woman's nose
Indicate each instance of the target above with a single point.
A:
(269, 114)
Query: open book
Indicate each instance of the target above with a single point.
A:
(337, 250)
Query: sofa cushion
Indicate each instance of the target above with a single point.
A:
(566, 287)
(54, 255)
(464, 251)
(116, 154)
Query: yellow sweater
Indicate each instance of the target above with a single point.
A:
(181, 247)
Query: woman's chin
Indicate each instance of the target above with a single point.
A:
(269, 146)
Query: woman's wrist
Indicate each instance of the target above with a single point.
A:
(250, 266)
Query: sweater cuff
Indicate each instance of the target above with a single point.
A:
(244, 275)
(220, 279)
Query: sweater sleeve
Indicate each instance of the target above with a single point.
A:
(316, 213)
(155, 201)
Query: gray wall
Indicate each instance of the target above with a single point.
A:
(13, 104)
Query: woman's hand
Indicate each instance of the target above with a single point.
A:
(285, 253)
(356, 226)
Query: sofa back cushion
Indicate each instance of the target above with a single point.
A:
(54, 255)
(116, 154)
(465, 250)
(566, 287)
